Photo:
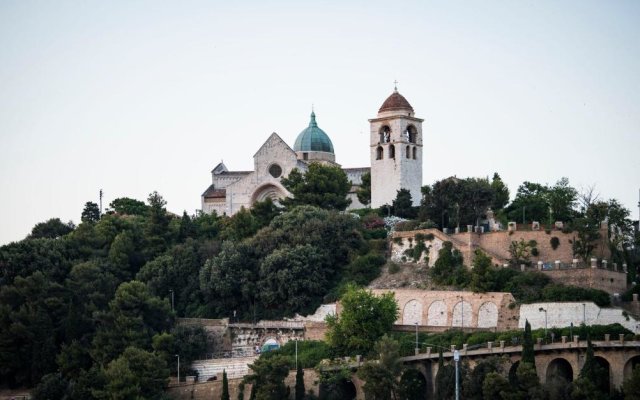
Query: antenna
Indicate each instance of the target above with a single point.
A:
(101, 201)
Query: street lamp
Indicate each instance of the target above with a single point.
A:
(417, 348)
(177, 355)
(545, 322)
(456, 358)
(584, 314)
(171, 291)
(461, 311)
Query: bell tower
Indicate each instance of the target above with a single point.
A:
(396, 151)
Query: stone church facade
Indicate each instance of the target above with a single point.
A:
(396, 163)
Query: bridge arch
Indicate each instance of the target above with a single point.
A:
(342, 389)
(630, 365)
(559, 368)
(437, 314)
(605, 382)
(414, 385)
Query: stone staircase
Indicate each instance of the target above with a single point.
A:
(235, 367)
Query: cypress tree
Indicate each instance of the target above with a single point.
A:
(225, 386)
(591, 371)
(299, 383)
(528, 355)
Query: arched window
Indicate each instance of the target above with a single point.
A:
(410, 134)
(379, 153)
(414, 153)
(385, 134)
(408, 152)
(392, 151)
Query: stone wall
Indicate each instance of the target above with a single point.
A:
(315, 330)
(455, 309)
(564, 314)
(496, 246)
(596, 278)
(213, 390)
(498, 243)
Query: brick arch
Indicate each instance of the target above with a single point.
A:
(629, 364)
(462, 314)
(488, 315)
(559, 367)
(412, 312)
(437, 313)
(414, 376)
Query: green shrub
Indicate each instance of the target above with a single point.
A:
(555, 242)
(419, 237)
(429, 237)
(535, 252)
(364, 269)
(379, 245)
(394, 268)
(558, 292)
(369, 234)
(406, 226)
(310, 353)
(397, 240)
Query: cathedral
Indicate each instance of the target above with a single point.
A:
(396, 163)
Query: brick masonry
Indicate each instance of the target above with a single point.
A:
(455, 309)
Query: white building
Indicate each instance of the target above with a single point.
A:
(396, 163)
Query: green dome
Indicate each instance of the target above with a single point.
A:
(313, 138)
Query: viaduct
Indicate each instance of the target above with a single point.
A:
(565, 359)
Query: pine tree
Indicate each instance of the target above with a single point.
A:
(299, 383)
(225, 386)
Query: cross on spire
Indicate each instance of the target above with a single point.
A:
(395, 85)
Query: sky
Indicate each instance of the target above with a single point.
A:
(133, 97)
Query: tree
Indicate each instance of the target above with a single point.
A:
(448, 268)
(364, 191)
(157, 224)
(562, 200)
(294, 279)
(403, 205)
(495, 386)
(323, 186)
(225, 386)
(528, 354)
(127, 206)
(482, 272)
(382, 376)
(133, 318)
(299, 394)
(530, 203)
(631, 385)
(135, 374)
(363, 320)
(592, 372)
(91, 212)
(478, 196)
(268, 378)
(264, 211)
(473, 385)
(445, 382)
(52, 228)
(52, 386)
(500, 193)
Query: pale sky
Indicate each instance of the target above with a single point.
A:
(136, 96)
